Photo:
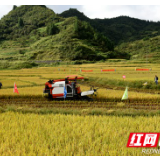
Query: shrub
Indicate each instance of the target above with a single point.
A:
(52, 29)
(4, 64)
(20, 65)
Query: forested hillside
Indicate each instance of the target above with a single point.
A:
(30, 33)
(23, 20)
(37, 33)
(147, 49)
(120, 29)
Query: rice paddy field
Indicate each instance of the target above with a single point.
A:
(30, 124)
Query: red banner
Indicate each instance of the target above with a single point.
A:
(108, 70)
(142, 69)
(87, 70)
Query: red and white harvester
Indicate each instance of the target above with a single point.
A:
(67, 89)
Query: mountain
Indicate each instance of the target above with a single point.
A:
(72, 12)
(120, 29)
(145, 50)
(23, 20)
(37, 33)
(125, 29)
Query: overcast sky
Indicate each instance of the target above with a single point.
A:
(145, 12)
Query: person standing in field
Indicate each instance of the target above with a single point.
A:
(156, 79)
(0, 85)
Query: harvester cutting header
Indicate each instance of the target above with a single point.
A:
(67, 89)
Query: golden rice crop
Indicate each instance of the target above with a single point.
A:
(49, 134)
(24, 78)
(66, 135)
(111, 93)
(10, 83)
(37, 90)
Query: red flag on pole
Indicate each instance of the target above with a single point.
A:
(124, 76)
(15, 89)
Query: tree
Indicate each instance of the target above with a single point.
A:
(20, 22)
(52, 29)
(76, 25)
(14, 7)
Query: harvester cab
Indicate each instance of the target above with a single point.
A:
(67, 88)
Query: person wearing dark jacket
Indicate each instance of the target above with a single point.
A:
(0, 85)
(156, 79)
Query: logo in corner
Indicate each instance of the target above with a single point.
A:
(143, 139)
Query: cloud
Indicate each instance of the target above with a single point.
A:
(4, 9)
(146, 12)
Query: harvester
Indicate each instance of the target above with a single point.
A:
(67, 88)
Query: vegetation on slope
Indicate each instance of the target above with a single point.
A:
(23, 20)
(50, 37)
(37, 33)
(146, 49)
(119, 29)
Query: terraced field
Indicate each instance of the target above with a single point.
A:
(31, 124)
